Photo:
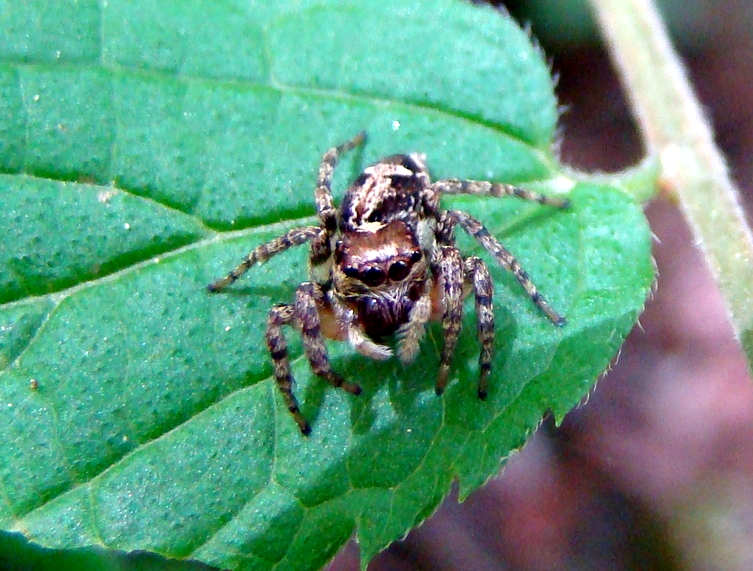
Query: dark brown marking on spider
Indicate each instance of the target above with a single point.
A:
(279, 354)
(320, 255)
(449, 267)
(385, 262)
(281, 315)
(477, 274)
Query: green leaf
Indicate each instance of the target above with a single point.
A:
(145, 147)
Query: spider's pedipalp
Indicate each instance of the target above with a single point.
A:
(411, 333)
(262, 253)
(506, 260)
(354, 333)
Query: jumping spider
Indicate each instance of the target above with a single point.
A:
(386, 263)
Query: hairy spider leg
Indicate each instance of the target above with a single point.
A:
(483, 187)
(279, 315)
(262, 253)
(309, 301)
(477, 275)
(303, 314)
(321, 248)
(506, 260)
(449, 272)
(319, 236)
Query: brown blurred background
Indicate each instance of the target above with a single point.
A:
(656, 470)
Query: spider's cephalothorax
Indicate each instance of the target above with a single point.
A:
(386, 263)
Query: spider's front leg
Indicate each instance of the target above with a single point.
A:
(449, 272)
(309, 301)
(452, 274)
(477, 275)
(279, 315)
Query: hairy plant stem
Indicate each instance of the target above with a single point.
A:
(692, 168)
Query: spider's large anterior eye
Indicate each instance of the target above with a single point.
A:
(373, 277)
(398, 271)
(351, 272)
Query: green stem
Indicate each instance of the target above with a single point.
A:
(676, 130)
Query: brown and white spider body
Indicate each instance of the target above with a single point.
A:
(386, 263)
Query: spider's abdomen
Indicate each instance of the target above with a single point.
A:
(392, 189)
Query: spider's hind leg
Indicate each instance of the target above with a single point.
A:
(506, 260)
(483, 187)
(325, 207)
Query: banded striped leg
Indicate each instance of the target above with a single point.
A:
(483, 187)
(308, 301)
(477, 275)
(304, 314)
(323, 194)
(445, 232)
(321, 248)
(506, 260)
(279, 315)
(450, 275)
(260, 254)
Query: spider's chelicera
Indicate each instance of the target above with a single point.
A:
(386, 263)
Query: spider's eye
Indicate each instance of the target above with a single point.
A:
(373, 277)
(398, 271)
(415, 256)
(351, 272)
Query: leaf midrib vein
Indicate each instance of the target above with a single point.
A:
(58, 296)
